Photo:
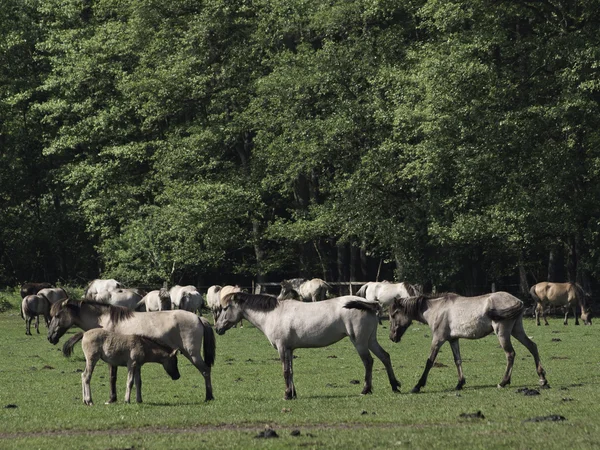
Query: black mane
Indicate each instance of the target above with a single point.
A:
(117, 313)
(259, 302)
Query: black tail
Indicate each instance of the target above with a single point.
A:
(68, 347)
(209, 343)
(363, 306)
(508, 313)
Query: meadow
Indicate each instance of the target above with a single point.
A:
(41, 406)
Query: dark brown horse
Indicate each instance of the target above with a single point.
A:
(567, 295)
(33, 288)
(452, 317)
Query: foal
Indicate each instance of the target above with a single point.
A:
(35, 306)
(120, 350)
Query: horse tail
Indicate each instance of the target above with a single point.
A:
(209, 343)
(68, 346)
(362, 292)
(507, 313)
(139, 304)
(363, 305)
(533, 294)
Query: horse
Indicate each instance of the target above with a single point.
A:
(176, 329)
(158, 300)
(128, 298)
(213, 301)
(98, 286)
(452, 317)
(187, 298)
(225, 291)
(385, 292)
(33, 288)
(125, 350)
(567, 295)
(289, 325)
(53, 294)
(35, 306)
(309, 290)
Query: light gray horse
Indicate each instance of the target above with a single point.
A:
(99, 286)
(187, 298)
(452, 317)
(176, 329)
(385, 292)
(158, 300)
(35, 306)
(126, 297)
(213, 301)
(291, 324)
(125, 350)
(53, 294)
(308, 290)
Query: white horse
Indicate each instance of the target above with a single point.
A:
(213, 301)
(291, 324)
(128, 298)
(99, 286)
(385, 292)
(53, 294)
(187, 298)
(308, 290)
(154, 301)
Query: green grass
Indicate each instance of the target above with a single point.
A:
(329, 412)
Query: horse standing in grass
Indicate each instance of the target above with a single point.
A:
(187, 298)
(451, 317)
(213, 301)
(177, 329)
(158, 300)
(124, 350)
(35, 306)
(53, 294)
(33, 288)
(291, 324)
(308, 290)
(568, 295)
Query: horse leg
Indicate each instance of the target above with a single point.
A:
(130, 377)
(286, 356)
(204, 369)
(86, 377)
(545, 315)
(384, 357)
(137, 377)
(575, 314)
(457, 360)
(37, 324)
(112, 375)
(28, 325)
(435, 348)
(503, 332)
(537, 314)
(520, 335)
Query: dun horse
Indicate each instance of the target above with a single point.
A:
(567, 295)
(307, 290)
(158, 300)
(35, 306)
(187, 298)
(177, 329)
(291, 324)
(452, 317)
(123, 350)
(213, 301)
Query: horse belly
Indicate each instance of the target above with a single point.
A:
(469, 325)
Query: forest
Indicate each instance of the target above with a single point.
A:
(452, 144)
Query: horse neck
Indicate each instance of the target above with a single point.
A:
(425, 314)
(90, 320)
(257, 318)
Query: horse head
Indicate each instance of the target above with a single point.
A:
(400, 318)
(62, 319)
(231, 313)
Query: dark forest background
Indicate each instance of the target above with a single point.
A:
(447, 143)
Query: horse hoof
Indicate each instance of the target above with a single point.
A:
(415, 390)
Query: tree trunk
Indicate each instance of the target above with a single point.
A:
(556, 264)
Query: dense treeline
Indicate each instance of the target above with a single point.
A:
(449, 143)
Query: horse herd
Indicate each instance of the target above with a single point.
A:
(160, 324)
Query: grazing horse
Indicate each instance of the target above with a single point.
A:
(35, 306)
(567, 295)
(125, 350)
(176, 329)
(187, 298)
(291, 324)
(158, 300)
(213, 301)
(98, 286)
(33, 288)
(308, 290)
(452, 317)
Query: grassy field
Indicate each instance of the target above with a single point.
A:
(41, 407)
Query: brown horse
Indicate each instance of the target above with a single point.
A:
(567, 295)
(33, 288)
(177, 329)
(451, 317)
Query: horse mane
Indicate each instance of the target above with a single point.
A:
(117, 313)
(259, 302)
(416, 304)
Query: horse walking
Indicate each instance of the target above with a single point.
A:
(291, 324)
(124, 350)
(307, 290)
(176, 329)
(35, 306)
(452, 317)
(568, 295)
